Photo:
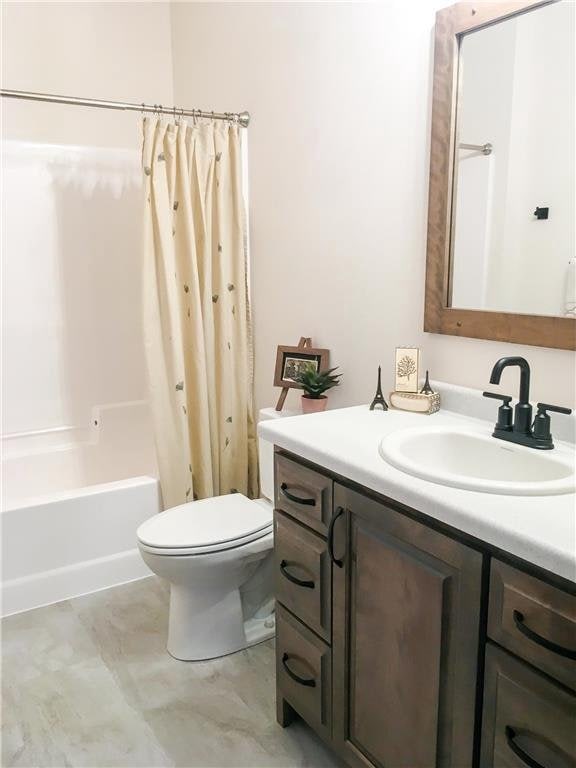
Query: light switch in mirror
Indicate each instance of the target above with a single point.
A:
(512, 243)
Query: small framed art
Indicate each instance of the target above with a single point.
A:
(407, 364)
(290, 361)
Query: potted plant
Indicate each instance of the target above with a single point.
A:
(315, 383)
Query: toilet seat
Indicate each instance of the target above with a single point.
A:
(205, 526)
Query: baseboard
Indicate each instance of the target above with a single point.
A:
(75, 580)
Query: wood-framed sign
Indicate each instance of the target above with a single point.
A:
(407, 369)
(290, 361)
(439, 316)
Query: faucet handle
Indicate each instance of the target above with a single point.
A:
(543, 407)
(541, 426)
(504, 412)
(506, 399)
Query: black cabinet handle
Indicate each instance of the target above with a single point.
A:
(536, 638)
(307, 681)
(293, 579)
(296, 499)
(339, 563)
(518, 751)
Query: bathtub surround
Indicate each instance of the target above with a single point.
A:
(87, 682)
(196, 310)
(57, 276)
(78, 463)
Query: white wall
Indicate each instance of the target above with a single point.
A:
(339, 140)
(116, 51)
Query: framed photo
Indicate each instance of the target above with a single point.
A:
(407, 365)
(290, 361)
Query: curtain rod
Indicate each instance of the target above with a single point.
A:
(242, 118)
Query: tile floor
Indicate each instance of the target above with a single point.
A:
(87, 682)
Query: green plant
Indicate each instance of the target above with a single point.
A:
(315, 383)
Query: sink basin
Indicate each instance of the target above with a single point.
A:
(476, 461)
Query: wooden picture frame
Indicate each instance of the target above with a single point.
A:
(288, 360)
(439, 316)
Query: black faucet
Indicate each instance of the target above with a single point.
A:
(522, 430)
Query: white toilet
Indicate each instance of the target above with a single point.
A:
(217, 555)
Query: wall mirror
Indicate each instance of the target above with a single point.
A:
(501, 260)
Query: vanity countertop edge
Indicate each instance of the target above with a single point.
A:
(538, 529)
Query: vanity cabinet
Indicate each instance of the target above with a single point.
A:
(406, 646)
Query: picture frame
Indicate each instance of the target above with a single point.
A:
(407, 369)
(289, 360)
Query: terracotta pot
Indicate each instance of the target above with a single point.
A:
(314, 404)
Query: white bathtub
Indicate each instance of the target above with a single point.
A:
(72, 501)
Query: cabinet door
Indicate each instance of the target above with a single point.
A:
(406, 607)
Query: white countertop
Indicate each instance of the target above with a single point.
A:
(539, 529)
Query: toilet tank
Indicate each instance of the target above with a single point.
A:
(266, 453)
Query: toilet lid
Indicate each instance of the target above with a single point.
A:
(207, 523)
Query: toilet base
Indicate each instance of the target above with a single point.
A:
(208, 624)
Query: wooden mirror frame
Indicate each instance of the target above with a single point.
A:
(439, 317)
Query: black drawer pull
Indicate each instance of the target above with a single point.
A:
(339, 563)
(293, 579)
(518, 751)
(307, 681)
(536, 638)
(296, 499)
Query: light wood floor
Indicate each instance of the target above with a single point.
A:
(88, 682)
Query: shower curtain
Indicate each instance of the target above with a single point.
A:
(196, 310)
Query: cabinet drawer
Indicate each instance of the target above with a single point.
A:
(534, 620)
(528, 720)
(303, 671)
(303, 493)
(302, 573)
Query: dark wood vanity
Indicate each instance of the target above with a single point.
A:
(403, 642)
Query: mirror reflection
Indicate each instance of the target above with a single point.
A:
(512, 239)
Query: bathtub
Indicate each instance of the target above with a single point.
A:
(72, 501)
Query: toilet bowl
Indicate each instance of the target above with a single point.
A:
(216, 555)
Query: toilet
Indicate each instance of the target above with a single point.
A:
(217, 556)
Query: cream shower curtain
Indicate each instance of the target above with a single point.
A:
(196, 311)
